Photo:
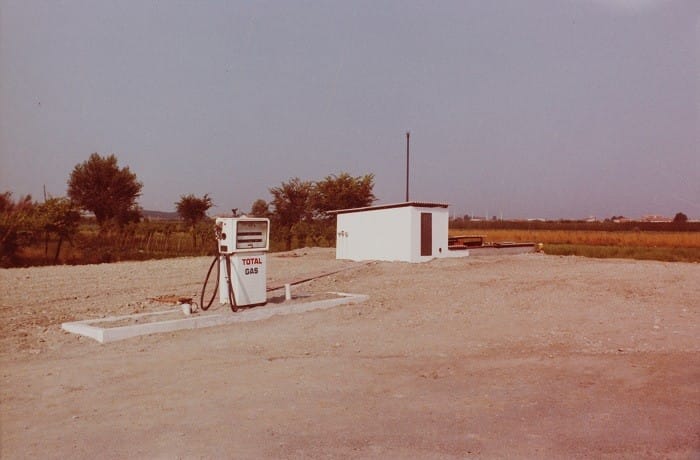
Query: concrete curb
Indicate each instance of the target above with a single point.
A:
(90, 328)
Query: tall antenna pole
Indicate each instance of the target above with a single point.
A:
(408, 138)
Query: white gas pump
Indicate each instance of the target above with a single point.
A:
(243, 243)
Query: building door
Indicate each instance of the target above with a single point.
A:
(426, 234)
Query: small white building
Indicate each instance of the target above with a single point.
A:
(410, 232)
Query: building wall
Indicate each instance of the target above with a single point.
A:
(389, 234)
(374, 235)
(440, 229)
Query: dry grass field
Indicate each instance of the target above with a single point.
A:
(666, 246)
(600, 238)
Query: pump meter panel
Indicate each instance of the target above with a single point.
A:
(251, 234)
(243, 234)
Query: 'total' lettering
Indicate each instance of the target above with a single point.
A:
(252, 261)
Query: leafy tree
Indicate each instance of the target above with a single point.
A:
(17, 225)
(291, 204)
(193, 210)
(680, 218)
(110, 192)
(59, 216)
(260, 208)
(342, 192)
(299, 208)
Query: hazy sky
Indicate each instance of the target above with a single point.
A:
(522, 108)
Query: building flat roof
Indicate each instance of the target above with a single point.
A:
(414, 204)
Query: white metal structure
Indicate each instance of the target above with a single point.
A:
(243, 245)
(409, 232)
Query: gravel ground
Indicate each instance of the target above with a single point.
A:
(526, 356)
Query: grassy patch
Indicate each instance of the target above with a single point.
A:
(668, 254)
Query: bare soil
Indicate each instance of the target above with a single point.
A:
(526, 356)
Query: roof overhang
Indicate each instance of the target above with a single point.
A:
(412, 204)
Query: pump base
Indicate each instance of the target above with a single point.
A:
(99, 330)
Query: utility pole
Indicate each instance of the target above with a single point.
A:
(408, 138)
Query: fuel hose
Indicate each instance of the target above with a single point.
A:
(231, 296)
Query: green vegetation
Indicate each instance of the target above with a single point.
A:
(298, 215)
(17, 219)
(54, 232)
(193, 210)
(90, 244)
(59, 217)
(99, 185)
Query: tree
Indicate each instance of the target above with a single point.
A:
(291, 203)
(193, 210)
(260, 208)
(300, 208)
(17, 225)
(59, 216)
(342, 192)
(680, 218)
(101, 186)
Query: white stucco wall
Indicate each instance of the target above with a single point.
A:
(374, 235)
(392, 234)
(440, 227)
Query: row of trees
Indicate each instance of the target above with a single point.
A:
(23, 222)
(98, 185)
(299, 209)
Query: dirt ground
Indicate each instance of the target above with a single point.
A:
(526, 356)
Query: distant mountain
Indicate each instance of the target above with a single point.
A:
(160, 215)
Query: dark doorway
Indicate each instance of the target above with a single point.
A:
(426, 234)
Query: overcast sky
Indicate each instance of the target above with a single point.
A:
(517, 108)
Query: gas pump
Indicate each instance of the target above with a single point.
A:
(242, 244)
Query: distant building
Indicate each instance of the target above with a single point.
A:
(655, 218)
(621, 220)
